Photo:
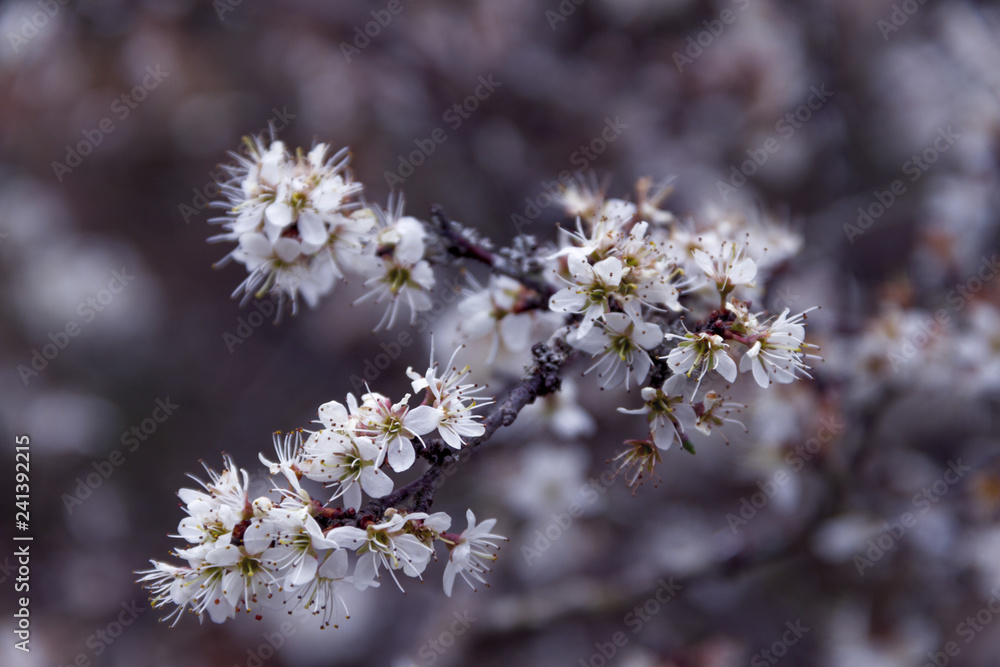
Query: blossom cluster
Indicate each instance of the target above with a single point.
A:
(619, 287)
(300, 227)
(288, 549)
(623, 273)
(623, 282)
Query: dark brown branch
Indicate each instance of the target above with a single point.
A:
(542, 379)
(459, 243)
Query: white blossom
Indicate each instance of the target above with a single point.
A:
(393, 426)
(727, 269)
(289, 450)
(452, 400)
(293, 218)
(589, 290)
(622, 345)
(348, 462)
(214, 514)
(667, 411)
(390, 545)
(394, 266)
(469, 553)
(497, 311)
(777, 354)
(701, 351)
(713, 412)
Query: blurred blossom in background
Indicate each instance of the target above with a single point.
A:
(855, 524)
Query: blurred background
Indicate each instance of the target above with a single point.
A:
(855, 525)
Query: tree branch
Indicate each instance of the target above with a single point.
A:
(461, 242)
(542, 379)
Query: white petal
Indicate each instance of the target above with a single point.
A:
(287, 249)
(516, 332)
(450, 570)
(190, 529)
(352, 495)
(743, 272)
(279, 214)
(647, 336)
(439, 521)
(664, 434)
(725, 365)
(619, 322)
(640, 366)
(315, 156)
(579, 268)
(401, 454)
(468, 428)
(422, 419)
(367, 449)
(589, 318)
(303, 572)
(364, 571)
(220, 610)
(348, 537)
(450, 437)
(704, 262)
(257, 537)
(335, 565)
(312, 228)
(271, 163)
(609, 271)
(759, 374)
(567, 300)
(595, 341)
(256, 244)
(227, 555)
(332, 414)
(375, 482)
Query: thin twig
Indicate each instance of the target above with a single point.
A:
(458, 243)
